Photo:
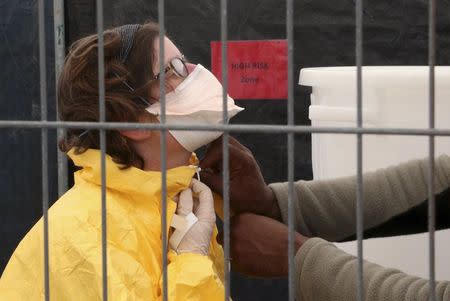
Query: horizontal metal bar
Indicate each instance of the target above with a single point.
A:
(248, 128)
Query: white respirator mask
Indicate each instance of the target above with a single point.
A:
(197, 100)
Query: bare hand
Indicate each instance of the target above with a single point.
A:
(248, 190)
(259, 245)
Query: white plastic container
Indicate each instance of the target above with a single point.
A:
(395, 97)
(392, 97)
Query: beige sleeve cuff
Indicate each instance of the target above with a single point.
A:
(281, 193)
(325, 272)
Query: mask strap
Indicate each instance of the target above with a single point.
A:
(146, 102)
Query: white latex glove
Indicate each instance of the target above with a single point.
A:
(197, 239)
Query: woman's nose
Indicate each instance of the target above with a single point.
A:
(190, 67)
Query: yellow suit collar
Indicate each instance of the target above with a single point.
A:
(131, 180)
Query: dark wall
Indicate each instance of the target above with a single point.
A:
(395, 33)
(20, 149)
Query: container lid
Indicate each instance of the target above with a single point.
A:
(376, 76)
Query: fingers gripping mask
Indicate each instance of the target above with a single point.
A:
(197, 100)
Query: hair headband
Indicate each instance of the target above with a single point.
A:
(127, 33)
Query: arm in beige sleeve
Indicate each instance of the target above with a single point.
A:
(325, 272)
(327, 208)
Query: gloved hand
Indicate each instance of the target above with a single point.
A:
(197, 239)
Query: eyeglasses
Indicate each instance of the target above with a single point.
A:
(176, 66)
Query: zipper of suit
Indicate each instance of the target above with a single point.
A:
(197, 170)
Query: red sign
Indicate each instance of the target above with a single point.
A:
(256, 69)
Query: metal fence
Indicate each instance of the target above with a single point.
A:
(290, 130)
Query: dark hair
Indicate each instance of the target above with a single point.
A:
(78, 97)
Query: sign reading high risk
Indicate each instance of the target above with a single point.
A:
(256, 69)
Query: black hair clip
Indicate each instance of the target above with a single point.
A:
(146, 102)
(83, 133)
(127, 33)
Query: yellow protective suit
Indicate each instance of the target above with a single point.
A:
(134, 245)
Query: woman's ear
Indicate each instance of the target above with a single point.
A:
(136, 135)
(139, 135)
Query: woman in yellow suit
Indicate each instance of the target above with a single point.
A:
(133, 181)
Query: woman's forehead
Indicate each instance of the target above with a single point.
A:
(170, 51)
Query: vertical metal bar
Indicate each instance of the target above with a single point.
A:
(291, 144)
(359, 139)
(44, 142)
(225, 149)
(431, 106)
(162, 120)
(102, 118)
(58, 13)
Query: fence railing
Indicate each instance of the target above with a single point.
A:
(290, 129)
